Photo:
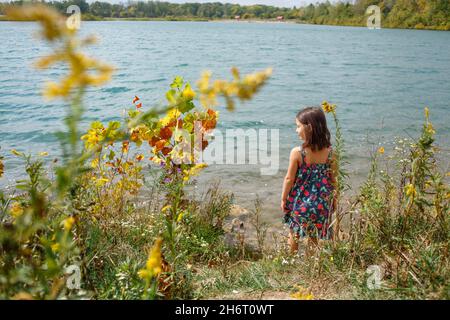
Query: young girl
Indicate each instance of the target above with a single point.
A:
(309, 182)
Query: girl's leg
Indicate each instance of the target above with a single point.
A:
(293, 241)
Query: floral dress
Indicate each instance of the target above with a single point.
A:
(308, 209)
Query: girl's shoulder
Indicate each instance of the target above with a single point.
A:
(296, 154)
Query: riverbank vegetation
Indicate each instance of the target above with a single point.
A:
(411, 14)
(123, 217)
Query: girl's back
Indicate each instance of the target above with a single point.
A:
(308, 187)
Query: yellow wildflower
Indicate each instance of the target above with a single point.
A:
(94, 163)
(188, 93)
(328, 108)
(16, 153)
(143, 274)
(43, 153)
(16, 210)
(410, 190)
(53, 26)
(55, 247)
(302, 294)
(180, 217)
(125, 146)
(203, 83)
(193, 171)
(139, 157)
(430, 128)
(94, 135)
(100, 182)
(171, 115)
(427, 112)
(164, 209)
(154, 261)
(243, 89)
(68, 223)
(381, 150)
(83, 71)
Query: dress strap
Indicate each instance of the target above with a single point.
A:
(302, 152)
(330, 155)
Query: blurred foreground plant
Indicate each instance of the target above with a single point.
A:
(85, 195)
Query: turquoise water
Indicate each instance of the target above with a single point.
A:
(380, 80)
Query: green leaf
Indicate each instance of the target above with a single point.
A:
(113, 125)
(186, 106)
(177, 83)
(96, 125)
(170, 96)
(111, 155)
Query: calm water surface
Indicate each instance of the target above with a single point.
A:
(380, 80)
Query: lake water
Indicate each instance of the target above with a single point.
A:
(380, 79)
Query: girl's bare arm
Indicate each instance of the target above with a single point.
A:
(289, 179)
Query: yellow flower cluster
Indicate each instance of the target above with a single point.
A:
(243, 89)
(430, 128)
(54, 26)
(302, 294)
(16, 153)
(55, 247)
(154, 261)
(81, 67)
(381, 150)
(171, 115)
(94, 135)
(98, 133)
(16, 210)
(99, 182)
(68, 223)
(188, 93)
(193, 171)
(410, 190)
(139, 133)
(328, 108)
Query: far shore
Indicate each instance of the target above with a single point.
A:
(271, 21)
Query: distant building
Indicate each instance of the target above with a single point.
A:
(237, 17)
(279, 18)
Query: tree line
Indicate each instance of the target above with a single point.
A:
(420, 14)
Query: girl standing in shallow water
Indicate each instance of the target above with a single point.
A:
(309, 183)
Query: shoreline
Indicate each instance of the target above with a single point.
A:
(262, 21)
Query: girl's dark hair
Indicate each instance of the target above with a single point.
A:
(317, 135)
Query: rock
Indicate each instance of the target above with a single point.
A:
(238, 212)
